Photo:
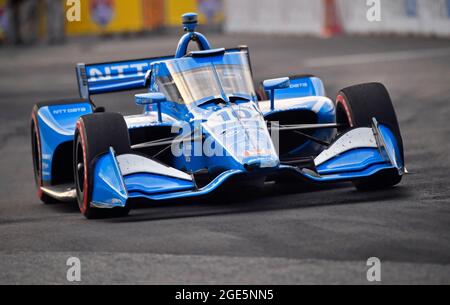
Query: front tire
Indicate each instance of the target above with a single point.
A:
(356, 106)
(94, 135)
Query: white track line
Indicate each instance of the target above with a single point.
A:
(375, 57)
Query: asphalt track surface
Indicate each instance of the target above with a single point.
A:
(274, 235)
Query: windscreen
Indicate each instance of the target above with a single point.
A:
(193, 81)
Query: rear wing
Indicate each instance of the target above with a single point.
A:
(113, 76)
(118, 75)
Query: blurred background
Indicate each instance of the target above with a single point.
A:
(36, 21)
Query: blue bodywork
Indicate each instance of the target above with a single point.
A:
(113, 188)
(57, 127)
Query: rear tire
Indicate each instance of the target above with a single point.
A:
(94, 135)
(355, 107)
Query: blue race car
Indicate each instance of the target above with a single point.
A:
(204, 125)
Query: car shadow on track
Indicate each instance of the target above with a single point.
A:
(271, 197)
(64, 207)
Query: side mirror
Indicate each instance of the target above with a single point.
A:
(147, 99)
(275, 84)
(150, 98)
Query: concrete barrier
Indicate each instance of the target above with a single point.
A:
(268, 16)
(418, 17)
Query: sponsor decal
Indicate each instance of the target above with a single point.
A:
(210, 8)
(448, 8)
(102, 11)
(411, 8)
(3, 21)
(120, 71)
(299, 85)
(70, 110)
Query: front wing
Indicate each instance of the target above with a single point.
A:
(356, 154)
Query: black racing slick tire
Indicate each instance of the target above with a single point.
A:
(94, 135)
(356, 106)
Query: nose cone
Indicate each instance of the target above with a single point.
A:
(242, 132)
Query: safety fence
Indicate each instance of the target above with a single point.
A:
(328, 17)
(268, 16)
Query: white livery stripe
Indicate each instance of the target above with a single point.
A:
(133, 164)
(295, 103)
(355, 138)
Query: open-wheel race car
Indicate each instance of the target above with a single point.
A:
(203, 125)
